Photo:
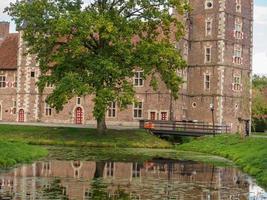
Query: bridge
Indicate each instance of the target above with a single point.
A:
(183, 128)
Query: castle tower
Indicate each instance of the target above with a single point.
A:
(220, 61)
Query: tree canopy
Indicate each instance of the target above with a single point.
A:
(259, 103)
(94, 49)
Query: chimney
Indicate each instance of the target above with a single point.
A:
(4, 29)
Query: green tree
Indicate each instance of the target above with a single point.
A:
(94, 49)
(259, 103)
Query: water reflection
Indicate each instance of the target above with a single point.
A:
(156, 179)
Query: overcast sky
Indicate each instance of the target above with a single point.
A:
(260, 33)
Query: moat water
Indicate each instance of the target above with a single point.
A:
(160, 179)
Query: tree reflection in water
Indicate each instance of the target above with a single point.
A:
(55, 191)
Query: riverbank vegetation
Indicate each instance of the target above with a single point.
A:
(81, 137)
(250, 154)
(13, 153)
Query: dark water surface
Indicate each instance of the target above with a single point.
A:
(154, 179)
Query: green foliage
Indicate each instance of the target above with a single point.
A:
(259, 82)
(259, 104)
(94, 50)
(13, 153)
(249, 153)
(81, 137)
(54, 191)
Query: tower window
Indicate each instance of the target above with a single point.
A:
(238, 6)
(237, 83)
(208, 27)
(237, 58)
(207, 82)
(208, 4)
(207, 54)
(238, 34)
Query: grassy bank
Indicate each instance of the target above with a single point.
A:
(250, 154)
(80, 137)
(13, 153)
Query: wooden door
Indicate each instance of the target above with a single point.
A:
(79, 115)
(152, 115)
(21, 115)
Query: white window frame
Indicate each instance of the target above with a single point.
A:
(238, 6)
(207, 81)
(138, 81)
(236, 85)
(206, 54)
(47, 110)
(208, 24)
(3, 81)
(138, 109)
(237, 57)
(112, 110)
(238, 32)
(206, 4)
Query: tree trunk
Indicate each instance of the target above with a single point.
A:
(101, 125)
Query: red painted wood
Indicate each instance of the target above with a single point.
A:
(79, 115)
(21, 115)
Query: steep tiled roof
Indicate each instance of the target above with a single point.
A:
(9, 51)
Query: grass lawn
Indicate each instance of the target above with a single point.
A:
(250, 154)
(13, 153)
(80, 137)
(259, 134)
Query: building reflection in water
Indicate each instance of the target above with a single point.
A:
(156, 179)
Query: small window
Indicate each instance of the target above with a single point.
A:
(138, 78)
(208, 27)
(208, 4)
(194, 104)
(237, 58)
(238, 34)
(32, 74)
(14, 107)
(136, 170)
(15, 81)
(207, 54)
(88, 195)
(78, 100)
(112, 109)
(2, 81)
(48, 110)
(110, 169)
(207, 82)
(138, 110)
(238, 6)
(237, 83)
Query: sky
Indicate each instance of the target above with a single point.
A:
(260, 33)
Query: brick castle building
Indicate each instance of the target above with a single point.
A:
(217, 47)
